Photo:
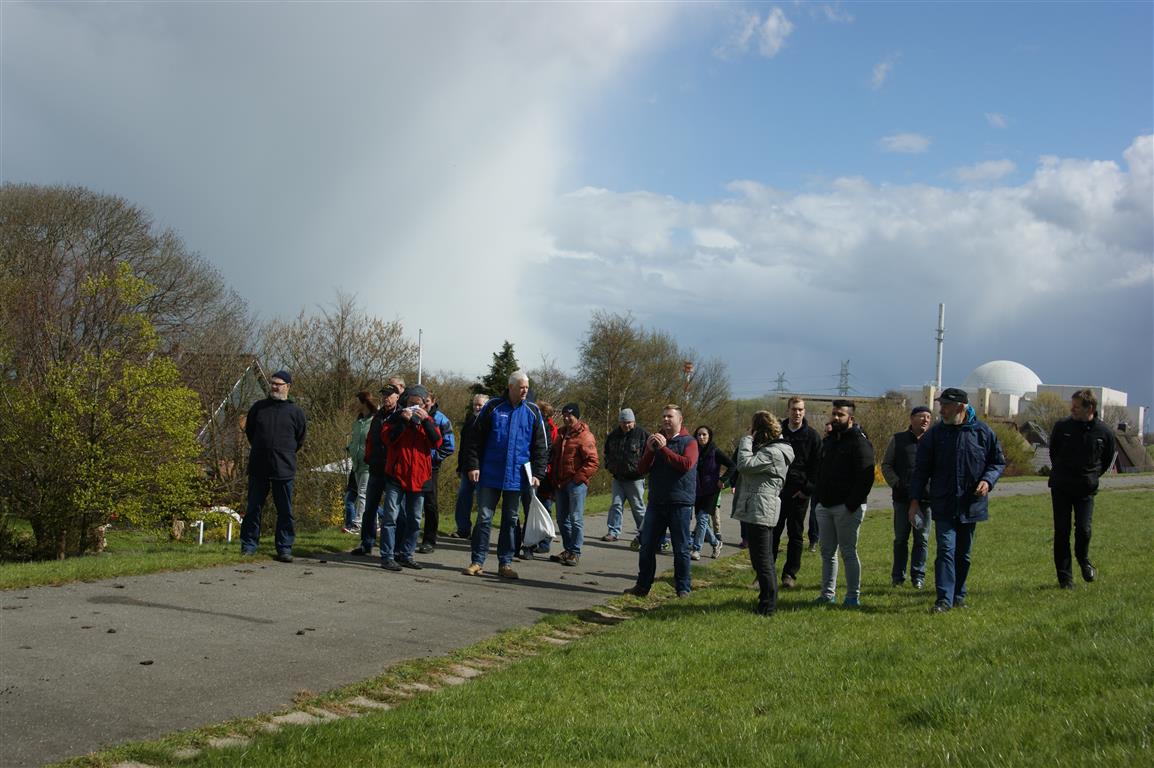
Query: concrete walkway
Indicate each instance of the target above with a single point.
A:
(88, 665)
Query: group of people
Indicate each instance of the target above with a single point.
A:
(512, 454)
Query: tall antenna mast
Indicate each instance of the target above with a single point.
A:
(941, 337)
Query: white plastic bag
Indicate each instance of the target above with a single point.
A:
(538, 524)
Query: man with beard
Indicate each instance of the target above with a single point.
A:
(960, 458)
(275, 428)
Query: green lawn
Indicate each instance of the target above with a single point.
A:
(1027, 675)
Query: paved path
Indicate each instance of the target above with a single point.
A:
(88, 665)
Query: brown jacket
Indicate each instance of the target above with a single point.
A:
(574, 457)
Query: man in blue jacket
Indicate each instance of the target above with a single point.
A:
(506, 456)
(275, 428)
(961, 460)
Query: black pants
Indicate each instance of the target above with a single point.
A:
(1080, 510)
(432, 511)
(792, 521)
(760, 540)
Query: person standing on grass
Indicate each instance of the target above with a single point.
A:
(623, 449)
(359, 472)
(670, 460)
(463, 513)
(412, 437)
(507, 456)
(844, 479)
(572, 462)
(275, 428)
(763, 461)
(799, 487)
(961, 460)
(897, 467)
(443, 451)
(376, 456)
(1082, 449)
(710, 481)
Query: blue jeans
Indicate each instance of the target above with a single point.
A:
(902, 531)
(282, 497)
(374, 511)
(463, 513)
(703, 530)
(838, 528)
(401, 522)
(632, 491)
(570, 500)
(658, 519)
(355, 498)
(952, 564)
(486, 508)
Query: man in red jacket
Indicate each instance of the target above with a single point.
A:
(411, 435)
(573, 461)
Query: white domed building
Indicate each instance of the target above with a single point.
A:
(997, 388)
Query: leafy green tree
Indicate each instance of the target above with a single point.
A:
(1045, 410)
(1019, 454)
(496, 381)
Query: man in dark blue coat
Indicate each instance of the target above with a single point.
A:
(275, 429)
(960, 458)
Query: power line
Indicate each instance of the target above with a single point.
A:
(780, 387)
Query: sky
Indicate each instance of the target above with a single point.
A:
(783, 186)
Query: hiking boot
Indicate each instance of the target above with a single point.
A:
(635, 545)
(407, 562)
(1089, 572)
(571, 560)
(716, 550)
(474, 569)
(283, 557)
(636, 591)
(695, 555)
(507, 572)
(391, 565)
(426, 549)
(788, 582)
(558, 558)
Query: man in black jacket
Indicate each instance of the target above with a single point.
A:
(275, 428)
(1082, 449)
(623, 449)
(376, 453)
(897, 468)
(799, 487)
(844, 479)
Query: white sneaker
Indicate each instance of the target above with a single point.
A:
(695, 555)
(716, 550)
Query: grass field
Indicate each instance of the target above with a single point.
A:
(1027, 675)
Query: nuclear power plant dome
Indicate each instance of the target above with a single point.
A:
(1004, 376)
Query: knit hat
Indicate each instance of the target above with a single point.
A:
(283, 375)
(626, 415)
(572, 409)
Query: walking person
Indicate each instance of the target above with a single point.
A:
(275, 428)
(710, 480)
(1082, 449)
(573, 461)
(844, 479)
(897, 467)
(960, 459)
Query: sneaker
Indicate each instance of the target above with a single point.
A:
(788, 582)
(1089, 572)
(283, 557)
(571, 560)
(459, 535)
(349, 529)
(609, 537)
(542, 549)
(407, 562)
(558, 558)
(919, 583)
(823, 600)
(248, 553)
(523, 554)
(813, 546)
(1066, 584)
(851, 602)
(695, 555)
(635, 545)
(391, 565)
(636, 591)
(507, 572)
(682, 594)
(940, 606)
(426, 549)
(716, 550)
(474, 569)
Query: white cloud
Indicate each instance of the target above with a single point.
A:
(750, 30)
(990, 170)
(996, 120)
(905, 143)
(836, 13)
(882, 71)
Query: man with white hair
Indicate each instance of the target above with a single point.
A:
(506, 456)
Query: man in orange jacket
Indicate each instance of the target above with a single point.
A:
(574, 460)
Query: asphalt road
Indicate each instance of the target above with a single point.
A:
(88, 665)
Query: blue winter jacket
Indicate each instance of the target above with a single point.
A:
(953, 460)
(504, 437)
(448, 445)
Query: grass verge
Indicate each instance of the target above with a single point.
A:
(1027, 675)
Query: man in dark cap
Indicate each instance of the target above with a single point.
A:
(897, 466)
(573, 461)
(275, 428)
(960, 459)
(376, 454)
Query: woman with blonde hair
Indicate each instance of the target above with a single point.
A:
(763, 459)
